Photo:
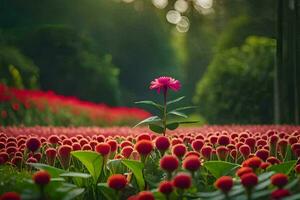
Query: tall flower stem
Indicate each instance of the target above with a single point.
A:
(165, 111)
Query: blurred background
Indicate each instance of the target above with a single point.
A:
(223, 52)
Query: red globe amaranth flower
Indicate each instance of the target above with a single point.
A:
(50, 155)
(4, 114)
(264, 165)
(31, 160)
(10, 196)
(117, 181)
(182, 181)
(4, 156)
(273, 160)
(243, 170)
(162, 143)
(224, 183)
(144, 147)
(33, 144)
(15, 106)
(125, 144)
(191, 163)
(164, 83)
(245, 150)
(169, 163)
(17, 160)
(279, 180)
(279, 194)
(223, 140)
(206, 152)
(64, 153)
(179, 150)
(222, 152)
(53, 139)
(143, 136)
(253, 162)
(145, 195)
(103, 149)
(165, 187)
(113, 145)
(126, 151)
(249, 180)
(262, 154)
(41, 178)
(251, 142)
(197, 144)
(76, 146)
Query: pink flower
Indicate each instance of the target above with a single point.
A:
(164, 83)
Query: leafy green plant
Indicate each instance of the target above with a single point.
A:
(159, 123)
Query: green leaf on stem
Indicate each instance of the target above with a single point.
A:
(155, 128)
(75, 175)
(189, 122)
(177, 113)
(151, 103)
(185, 108)
(284, 168)
(148, 120)
(220, 168)
(137, 169)
(172, 126)
(73, 193)
(109, 193)
(53, 171)
(91, 160)
(175, 100)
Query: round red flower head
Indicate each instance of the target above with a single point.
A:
(169, 163)
(117, 181)
(144, 147)
(145, 195)
(279, 180)
(41, 178)
(179, 150)
(191, 163)
(280, 193)
(33, 144)
(224, 183)
(103, 149)
(249, 180)
(182, 181)
(165, 187)
(10, 196)
(164, 83)
(162, 143)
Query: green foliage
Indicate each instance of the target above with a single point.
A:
(238, 84)
(285, 167)
(220, 168)
(16, 69)
(66, 55)
(137, 169)
(92, 161)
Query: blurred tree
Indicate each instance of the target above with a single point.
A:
(238, 84)
(70, 66)
(16, 69)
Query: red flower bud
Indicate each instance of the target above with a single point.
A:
(249, 180)
(64, 153)
(262, 154)
(280, 193)
(162, 143)
(113, 145)
(243, 170)
(191, 163)
(33, 144)
(297, 169)
(165, 187)
(279, 180)
(169, 163)
(224, 183)
(126, 151)
(273, 160)
(222, 152)
(182, 181)
(197, 144)
(144, 136)
(223, 140)
(103, 149)
(144, 147)
(41, 178)
(117, 181)
(50, 155)
(206, 152)
(264, 165)
(253, 162)
(179, 150)
(10, 196)
(76, 146)
(53, 139)
(245, 150)
(145, 195)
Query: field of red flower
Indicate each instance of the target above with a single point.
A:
(211, 162)
(35, 107)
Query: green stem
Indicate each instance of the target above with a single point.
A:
(165, 112)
